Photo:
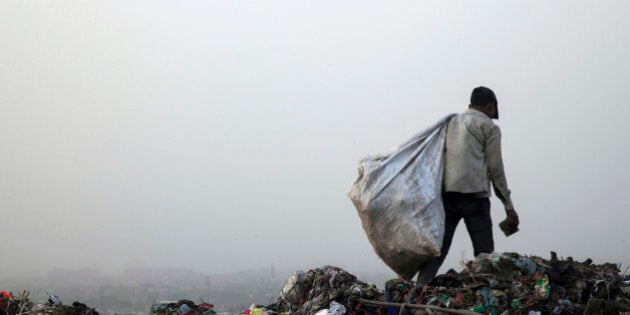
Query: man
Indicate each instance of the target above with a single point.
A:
(472, 161)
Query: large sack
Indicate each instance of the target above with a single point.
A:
(398, 198)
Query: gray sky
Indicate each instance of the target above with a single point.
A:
(219, 135)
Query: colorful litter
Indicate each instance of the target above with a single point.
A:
(182, 307)
(498, 283)
(495, 283)
(11, 304)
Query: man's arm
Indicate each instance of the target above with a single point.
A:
(495, 167)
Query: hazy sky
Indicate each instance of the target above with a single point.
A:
(221, 135)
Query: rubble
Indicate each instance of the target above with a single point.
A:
(495, 283)
(498, 283)
(11, 304)
(182, 307)
(317, 289)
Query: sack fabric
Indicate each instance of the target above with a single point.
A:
(398, 198)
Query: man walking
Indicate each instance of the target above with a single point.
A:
(472, 161)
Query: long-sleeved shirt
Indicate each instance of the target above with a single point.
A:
(473, 157)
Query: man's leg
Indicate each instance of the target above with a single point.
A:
(429, 269)
(476, 213)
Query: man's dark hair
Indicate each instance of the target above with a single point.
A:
(481, 96)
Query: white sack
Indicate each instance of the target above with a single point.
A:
(399, 199)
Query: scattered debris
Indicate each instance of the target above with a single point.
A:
(19, 305)
(317, 289)
(491, 284)
(495, 283)
(182, 307)
(498, 283)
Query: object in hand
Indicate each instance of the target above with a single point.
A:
(508, 227)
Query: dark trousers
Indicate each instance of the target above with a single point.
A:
(476, 215)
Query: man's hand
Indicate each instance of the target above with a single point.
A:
(509, 226)
(512, 216)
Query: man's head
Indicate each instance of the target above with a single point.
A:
(484, 100)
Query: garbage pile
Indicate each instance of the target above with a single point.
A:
(329, 290)
(490, 284)
(495, 283)
(182, 307)
(11, 304)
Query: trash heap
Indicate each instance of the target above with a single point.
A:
(326, 290)
(11, 304)
(182, 307)
(495, 283)
(490, 284)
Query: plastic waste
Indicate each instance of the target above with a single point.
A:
(485, 309)
(459, 299)
(53, 299)
(489, 299)
(334, 309)
(542, 287)
(564, 307)
(527, 265)
(184, 309)
(294, 288)
(398, 197)
(517, 304)
(254, 310)
(570, 287)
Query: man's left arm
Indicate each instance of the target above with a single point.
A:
(495, 167)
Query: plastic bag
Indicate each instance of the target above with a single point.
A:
(334, 309)
(294, 288)
(398, 197)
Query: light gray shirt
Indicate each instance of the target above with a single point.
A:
(473, 157)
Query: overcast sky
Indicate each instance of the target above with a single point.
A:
(222, 135)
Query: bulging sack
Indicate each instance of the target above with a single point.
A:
(398, 197)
